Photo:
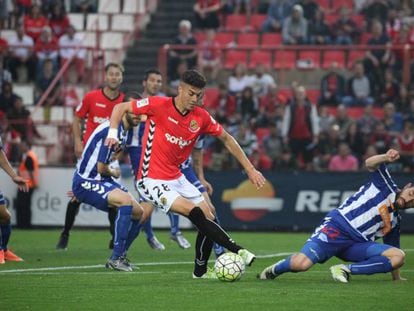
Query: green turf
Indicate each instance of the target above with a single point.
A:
(169, 286)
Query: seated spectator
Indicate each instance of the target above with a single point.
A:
(22, 54)
(184, 37)
(273, 143)
(209, 55)
(21, 121)
(404, 37)
(248, 104)
(380, 138)
(47, 48)
(4, 48)
(375, 10)
(244, 6)
(310, 9)
(368, 122)
(325, 119)
(83, 6)
(319, 32)
(272, 99)
(174, 83)
(4, 13)
(392, 120)
(261, 80)
(34, 22)
(22, 7)
(359, 88)
(332, 87)
(393, 25)
(327, 146)
(43, 82)
(260, 160)
(391, 88)
(70, 46)
(5, 75)
(7, 97)
(224, 105)
(344, 30)
(287, 161)
(355, 140)
(246, 139)
(277, 12)
(206, 14)
(238, 80)
(343, 161)
(295, 27)
(58, 20)
(343, 120)
(406, 146)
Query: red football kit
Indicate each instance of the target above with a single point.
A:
(96, 107)
(169, 136)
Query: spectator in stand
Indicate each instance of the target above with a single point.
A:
(58, 20)
(355, 140)
(5, 75)
(405, 100)
(327, 147)
(391, 88)
(34, 22)
(4, 13)
(393, 25)
(47, 48)
(184, 37)
(300, 129)
(246, 139)
(207, 14)
(4, 48)
(319, 32)
(343, 120)
(7, 97)
(277, 12)
(273, 144)
(367, 122)
(271, 100)
(380, 138)
(43, 82)
(261, 80)
(21, 121)
(325, 119)
(209, 55)
(332, 87)
(376, 10)
(238, 80)
(70, 46)
(404, 37)
(248, 105)
(22, 7)
(260, 159)
(22, 54)
(245, 6)
(393, 120)
(287, 161)
(360, 89)
(343, 161)
(295, 27)
(224, 105)
(83, 6)
(310, 9)
(172, 89)
(406, 146)
(344, 30)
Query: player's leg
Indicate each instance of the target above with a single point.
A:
(72, 209)
(152, 240)
(218, 249)
(111, 218)
(175, 233)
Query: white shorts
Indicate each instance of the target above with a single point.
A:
(163, 193)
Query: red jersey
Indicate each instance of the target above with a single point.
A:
(33, 27)
(96, 107)
(169, 136)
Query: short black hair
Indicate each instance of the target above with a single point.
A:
(150, 72)
(132, 95)
(194, 78)
(116, 65)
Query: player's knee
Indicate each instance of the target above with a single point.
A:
(4, 216)
(299, 262)
(398, 259)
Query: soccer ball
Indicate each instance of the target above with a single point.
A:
(229, 267)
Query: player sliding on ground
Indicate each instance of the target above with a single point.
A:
(173, 126)
(349, 231)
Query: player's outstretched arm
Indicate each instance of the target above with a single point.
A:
(18, 180)
(77, 135)
(372, 163)
(199, 170)
(116, 117)
(233, 146)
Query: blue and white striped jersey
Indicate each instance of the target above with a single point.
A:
(95, 151)
(370, 211)
(134, 138)
(189, 162)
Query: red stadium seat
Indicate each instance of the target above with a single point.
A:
(235, 57)
(256, 21)
(248, 40)
(236, 22)
(261, 134)
(365, 36)
(332, 111)
(355, 112)
(378, 112)
(337, 5)
(225, 38)
(331, 18)
(333, 56)
(284, 60)
(325, 4)
(354, 56)
(260, 57)
(271, 40)
(313, 95)
(359, 20)
(199, 36)
(285, 93)
(313, 56)
(210, 96)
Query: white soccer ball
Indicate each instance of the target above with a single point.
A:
(229, 267)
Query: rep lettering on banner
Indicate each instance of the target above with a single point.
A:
(316, 202)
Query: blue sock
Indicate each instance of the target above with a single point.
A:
(133, 233)
(218, 249)
(5, 235)
(147, 227)
(174, 220)
(375, 264)
(122, 224)
(282, 266)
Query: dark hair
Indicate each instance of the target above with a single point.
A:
(132, 95)
(194, 78)
(116, 65)
(150, 72)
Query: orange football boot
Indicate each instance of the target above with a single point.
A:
(2, 257)
(10, 256)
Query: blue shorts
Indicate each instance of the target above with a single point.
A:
(94, 192)
(330, 239)
(192, 178)
(2, 200)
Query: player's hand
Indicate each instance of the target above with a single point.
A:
(256, 178)
(392, 155)
(111, 142)
(21, 183)
(207, 185)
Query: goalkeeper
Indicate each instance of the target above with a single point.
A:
(349, 231)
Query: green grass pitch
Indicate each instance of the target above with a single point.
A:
(77, 280)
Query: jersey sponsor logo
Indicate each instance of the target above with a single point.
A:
(100, 105)
(194, 127)
(99, 120)
(178, 140)
(143, 102)
(172, 120)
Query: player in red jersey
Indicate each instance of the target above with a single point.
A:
(96, 107)
(173, 126)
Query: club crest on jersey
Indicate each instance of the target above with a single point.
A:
(163, 201)
(194, 127)
(142, 102)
